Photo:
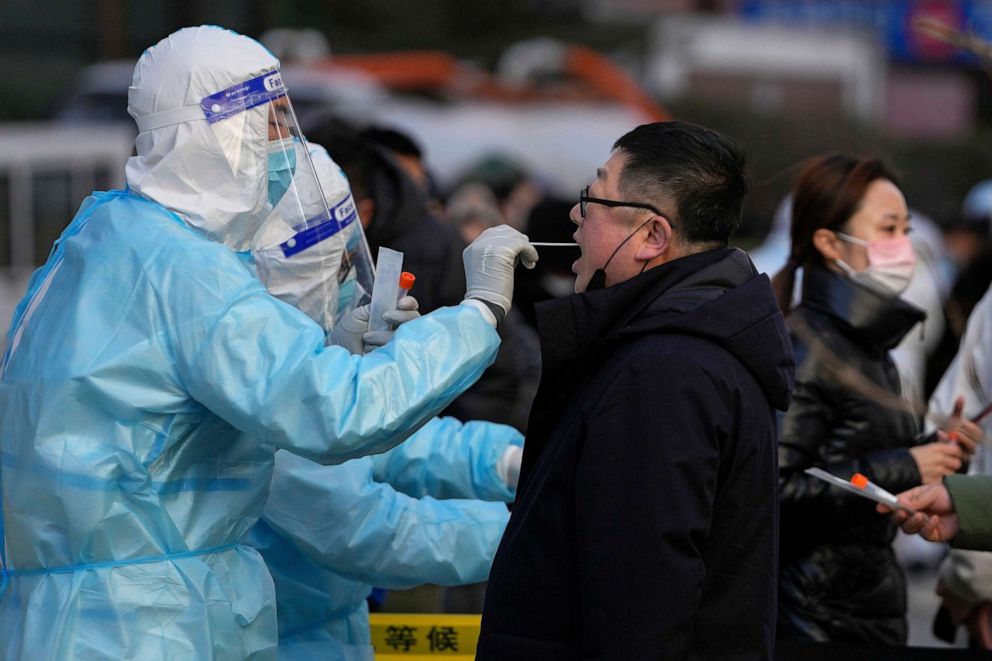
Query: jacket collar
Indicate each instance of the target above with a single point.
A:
(715, 294)
(569, 327)
(879, 319)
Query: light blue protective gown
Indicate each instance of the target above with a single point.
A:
(328, 533)
(144, 365)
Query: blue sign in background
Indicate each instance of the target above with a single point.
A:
(891, 20)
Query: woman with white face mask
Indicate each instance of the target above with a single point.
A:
(839, 578)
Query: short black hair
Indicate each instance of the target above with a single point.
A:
(696, 169)
(392, 139)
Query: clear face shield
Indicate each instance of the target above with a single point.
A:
(309, 250)
(325, 269)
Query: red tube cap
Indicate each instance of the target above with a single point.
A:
(859, 480)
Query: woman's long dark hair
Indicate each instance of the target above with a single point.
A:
(827, 192)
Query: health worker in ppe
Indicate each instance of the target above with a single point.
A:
(150, 377)
(329, 533)
(411, 516)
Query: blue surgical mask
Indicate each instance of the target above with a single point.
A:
(282, 166)
(346, 297)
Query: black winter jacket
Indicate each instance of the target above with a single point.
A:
(646, 516)
(839, 577)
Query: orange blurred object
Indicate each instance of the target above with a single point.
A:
(403, 70)
(859, 480)
(593, 76)
(406, 280)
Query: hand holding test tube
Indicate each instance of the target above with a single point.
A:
(862, 486)
(390, 305)
(934, 517)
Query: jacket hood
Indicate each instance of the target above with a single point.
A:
(716, 295)
(876, 318)
(398, 201)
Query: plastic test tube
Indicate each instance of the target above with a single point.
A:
(388, 267)
(862, 482)
(406, 283)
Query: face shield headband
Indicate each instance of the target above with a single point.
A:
(255, 138)
(284, 142)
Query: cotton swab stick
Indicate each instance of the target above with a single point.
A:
(554, 245)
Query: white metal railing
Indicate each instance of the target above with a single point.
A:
(28, 150)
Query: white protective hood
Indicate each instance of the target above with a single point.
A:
(214, 175)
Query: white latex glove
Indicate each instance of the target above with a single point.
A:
(508, 466)
(353, 332)
(405, 310)
(489, 263)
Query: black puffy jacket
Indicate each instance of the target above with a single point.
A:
(839, 579)
(645, 521)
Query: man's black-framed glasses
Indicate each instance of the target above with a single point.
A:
(584, 201)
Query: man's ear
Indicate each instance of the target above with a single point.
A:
(827, 243)
(659, 240)
(366, 211)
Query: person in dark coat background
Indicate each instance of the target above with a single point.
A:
(394, 212)
(646, 519)
(839, 577)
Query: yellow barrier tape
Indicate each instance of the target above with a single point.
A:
(424, 635)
